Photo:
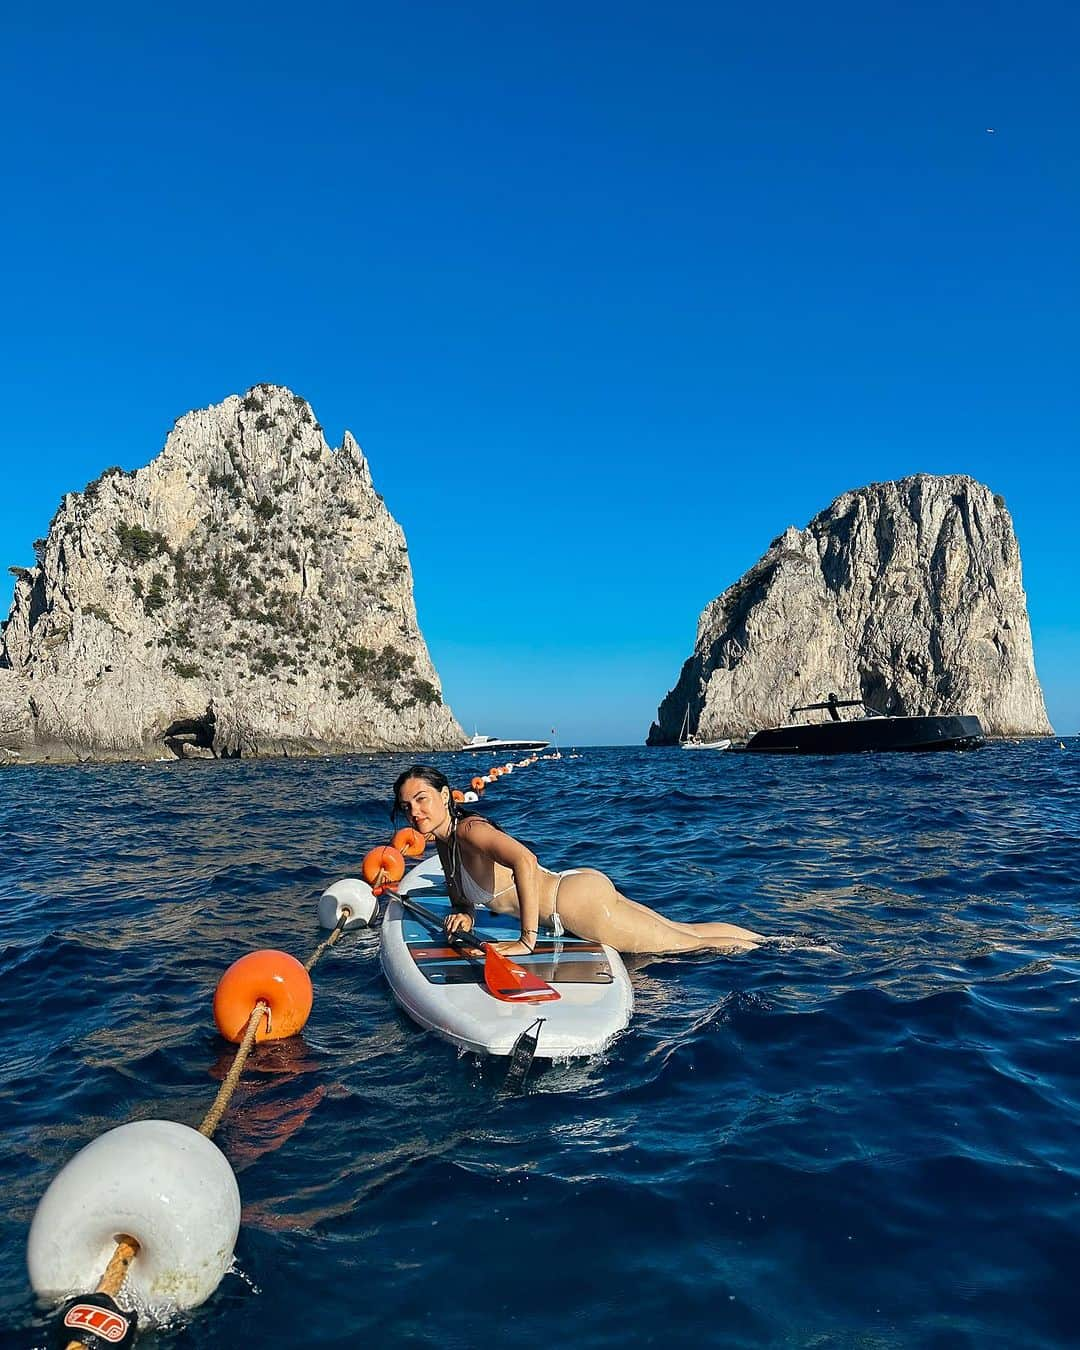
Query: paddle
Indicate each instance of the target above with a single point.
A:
(505, 979)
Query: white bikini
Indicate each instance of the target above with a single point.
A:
(478, 895)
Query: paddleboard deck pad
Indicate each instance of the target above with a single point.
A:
(442, 989)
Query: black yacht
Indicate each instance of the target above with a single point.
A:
(870, 731)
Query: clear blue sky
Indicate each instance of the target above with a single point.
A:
(609, 293)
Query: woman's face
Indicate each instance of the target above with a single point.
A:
(424, 805)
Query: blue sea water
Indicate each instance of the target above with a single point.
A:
(876, 1145)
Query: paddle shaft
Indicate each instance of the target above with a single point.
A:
(455, 939)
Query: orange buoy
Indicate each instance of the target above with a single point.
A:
(458, 795)
(410, 842)
(383, 867)
(275, 978)
(478, 784)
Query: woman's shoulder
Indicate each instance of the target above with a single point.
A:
(473, 824)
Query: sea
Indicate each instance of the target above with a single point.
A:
(865, 1133)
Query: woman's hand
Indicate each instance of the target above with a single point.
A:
(518, 948)
(456, 922)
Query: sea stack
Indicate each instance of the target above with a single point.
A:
(906, 594)
(246, 593)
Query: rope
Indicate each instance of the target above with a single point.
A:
(115, 1273)
(221, 1101)
(309, 965)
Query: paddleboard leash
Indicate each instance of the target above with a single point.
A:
(521, 1057)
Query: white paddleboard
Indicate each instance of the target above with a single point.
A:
(445, 992)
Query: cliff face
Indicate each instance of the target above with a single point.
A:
(906, 594)
(247, 592)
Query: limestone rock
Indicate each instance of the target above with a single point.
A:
(907, 595)
(247, 592)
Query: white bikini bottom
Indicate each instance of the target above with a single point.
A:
(557, 923)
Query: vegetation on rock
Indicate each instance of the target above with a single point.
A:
(138, 545)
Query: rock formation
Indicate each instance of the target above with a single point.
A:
(247, 592)
(907, 595)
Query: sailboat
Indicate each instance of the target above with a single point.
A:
(688, 742)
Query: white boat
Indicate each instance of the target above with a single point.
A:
(688, 742)
(476, 742)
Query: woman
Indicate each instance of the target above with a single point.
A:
(485, 866)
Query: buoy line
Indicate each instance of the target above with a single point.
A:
(212, 1119)
(154, 1205)
(323, 947)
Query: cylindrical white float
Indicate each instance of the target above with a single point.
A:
(161, 1183)
(350, 894)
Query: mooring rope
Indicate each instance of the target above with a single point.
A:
(309, 964)
(127, 1249)
(221, 1101)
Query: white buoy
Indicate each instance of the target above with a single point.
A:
(159, 1182)
(470, 797)
(350, 894)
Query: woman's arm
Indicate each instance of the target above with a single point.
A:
(509, 852)
(462, 918)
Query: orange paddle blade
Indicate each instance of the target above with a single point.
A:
(512, 983)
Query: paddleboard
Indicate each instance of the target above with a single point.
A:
(444, 991)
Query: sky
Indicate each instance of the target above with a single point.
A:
(610, 294)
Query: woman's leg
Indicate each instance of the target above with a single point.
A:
(590, 906)
(728, 935)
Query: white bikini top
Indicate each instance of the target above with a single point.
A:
(475, 893)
